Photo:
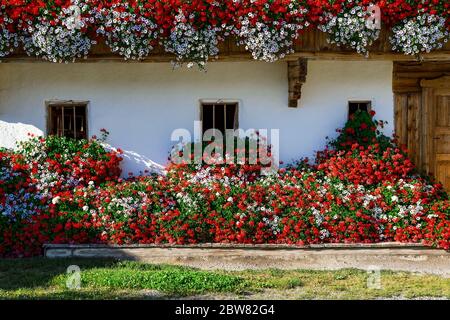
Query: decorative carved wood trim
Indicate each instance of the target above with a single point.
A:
(297, 71)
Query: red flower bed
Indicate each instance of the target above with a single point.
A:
(367, 166)
(36, 177)
(352, 194)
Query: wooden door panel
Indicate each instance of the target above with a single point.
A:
(441, 136)
(442, 112)
(441, 125)
(443, 145)
(436, 104)
(443, 170)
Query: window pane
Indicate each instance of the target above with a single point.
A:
(352, 108)
(231, 112)
(80, 122)
(207, 117)
(219, 117)
(359, 105)
(56, 121)
(364, 106)
(68, 121)
(69, 130)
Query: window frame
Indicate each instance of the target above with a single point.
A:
(49, 105)
(224, 102)
(369, 103)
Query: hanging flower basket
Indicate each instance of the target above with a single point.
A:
(9, 39)
(269, 32)
(349, 27)
(62, 38)
(128, 29)
(190, 45)
(64, 30)
(419, 34)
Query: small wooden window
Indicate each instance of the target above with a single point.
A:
(68, 120)
(219, 116)
(354, 106)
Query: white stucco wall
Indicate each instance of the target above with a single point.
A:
(141, 104)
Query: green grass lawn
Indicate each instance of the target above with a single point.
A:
(40, 278)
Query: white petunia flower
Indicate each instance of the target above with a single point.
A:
(126, 33)
(57, 42)
(420, 34)
(56, 200)
(349, 28)
(8, 40)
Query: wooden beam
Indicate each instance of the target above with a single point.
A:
(312, 44)
(407, 75)
(224, 56)
(297, 71)
(441, 82)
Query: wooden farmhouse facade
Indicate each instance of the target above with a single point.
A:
(306, 96)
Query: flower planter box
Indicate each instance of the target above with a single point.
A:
(383, 256)
(312, 44)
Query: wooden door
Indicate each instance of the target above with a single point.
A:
(436, 146)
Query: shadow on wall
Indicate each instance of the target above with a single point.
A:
(137, 163)
(11, 133)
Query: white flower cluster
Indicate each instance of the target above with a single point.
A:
(272, 223)
(411, 209)
(127, 33)
(8, 40)
(191, 45)
(208, 179)
(349, 28)
(61, 41)
(318, 217)
(190, 203)
(419, 34)
(44, 178)
(126, 206)
(324, 233)
(21, 204)
(270, 42)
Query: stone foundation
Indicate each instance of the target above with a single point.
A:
(384, 256)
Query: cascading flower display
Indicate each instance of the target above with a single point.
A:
(191, 45)
(64, 30)
(9, 39)
(196, 31)
(350, 28)
(420, 34)
(128, 29)
(268, 29)
(60, 36)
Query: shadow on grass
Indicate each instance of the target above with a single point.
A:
(39, 272)
(42, 278)
(91, 294)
